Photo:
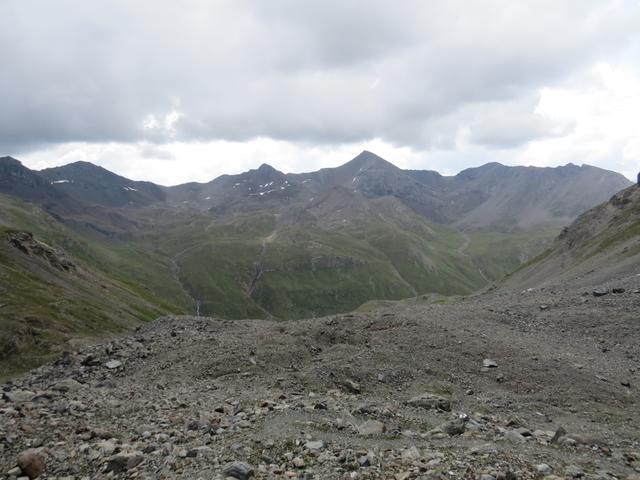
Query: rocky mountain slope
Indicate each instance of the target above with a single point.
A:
(506, 384)
(493, 196)
(601, 243)
(539, 384)
(94, 185)
(264, 244)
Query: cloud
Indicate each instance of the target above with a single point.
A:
(425, 75)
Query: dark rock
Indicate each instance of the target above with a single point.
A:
(600, 292)
(560, 432)
(239, 470)
(455, 427)
(618, 290)
(124, 461)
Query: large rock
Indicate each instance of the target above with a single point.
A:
(112, 364)
(124, 461)
(372, 427)
(455, 427)
(489, 363)
(32, 463)
(18, 396)
(239, 470)
(67, 385)
(430, 401)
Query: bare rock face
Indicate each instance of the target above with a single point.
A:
(32, 463)
(27, 244)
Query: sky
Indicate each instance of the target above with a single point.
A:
(183, 91)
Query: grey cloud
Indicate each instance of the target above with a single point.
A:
(325, 72)
(507, 125)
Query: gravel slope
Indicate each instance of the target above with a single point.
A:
(336, 397)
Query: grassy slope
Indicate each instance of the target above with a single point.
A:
(181, 256)
(308, 270)
(43, 307)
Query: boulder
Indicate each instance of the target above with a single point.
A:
(32, 463)
(239, 470)
(372, 427)
(124, 461)
(489, 363)
(430, 401)
(112, 364)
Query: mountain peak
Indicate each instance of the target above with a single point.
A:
(366, 159)
(7, 160)
(266, 168)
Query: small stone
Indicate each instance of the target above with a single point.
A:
(18, 396)
(298, 462)
(31, 462)
(124, 461)
(560, 432)
(315, 445)
(486, 476)
(372, 427)
(618, 290)
(489, 363)
(364, 461)
(411, 455)
(67, 385)
(455, 427)
(351, 386)
(112, 364)
(14, 472)
(600, 292)
(573, 471)
(430, 401)
(514, 436)
(239, 470)
(543, 468)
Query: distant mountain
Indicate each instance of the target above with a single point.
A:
(601, 244)
(95, 185)
(491, 197)
(503, 197)
(18, 181)
(264, 244)
(255, 189)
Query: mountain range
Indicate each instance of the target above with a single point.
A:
(265, 244)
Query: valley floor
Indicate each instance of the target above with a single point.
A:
(511, 385)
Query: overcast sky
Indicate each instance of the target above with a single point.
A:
(173, 91)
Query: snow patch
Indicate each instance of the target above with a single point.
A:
(130, 189)
(60, 181)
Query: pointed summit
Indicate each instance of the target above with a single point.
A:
(366, 159)
(266, 168)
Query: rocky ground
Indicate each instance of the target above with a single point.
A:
(503, 385)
